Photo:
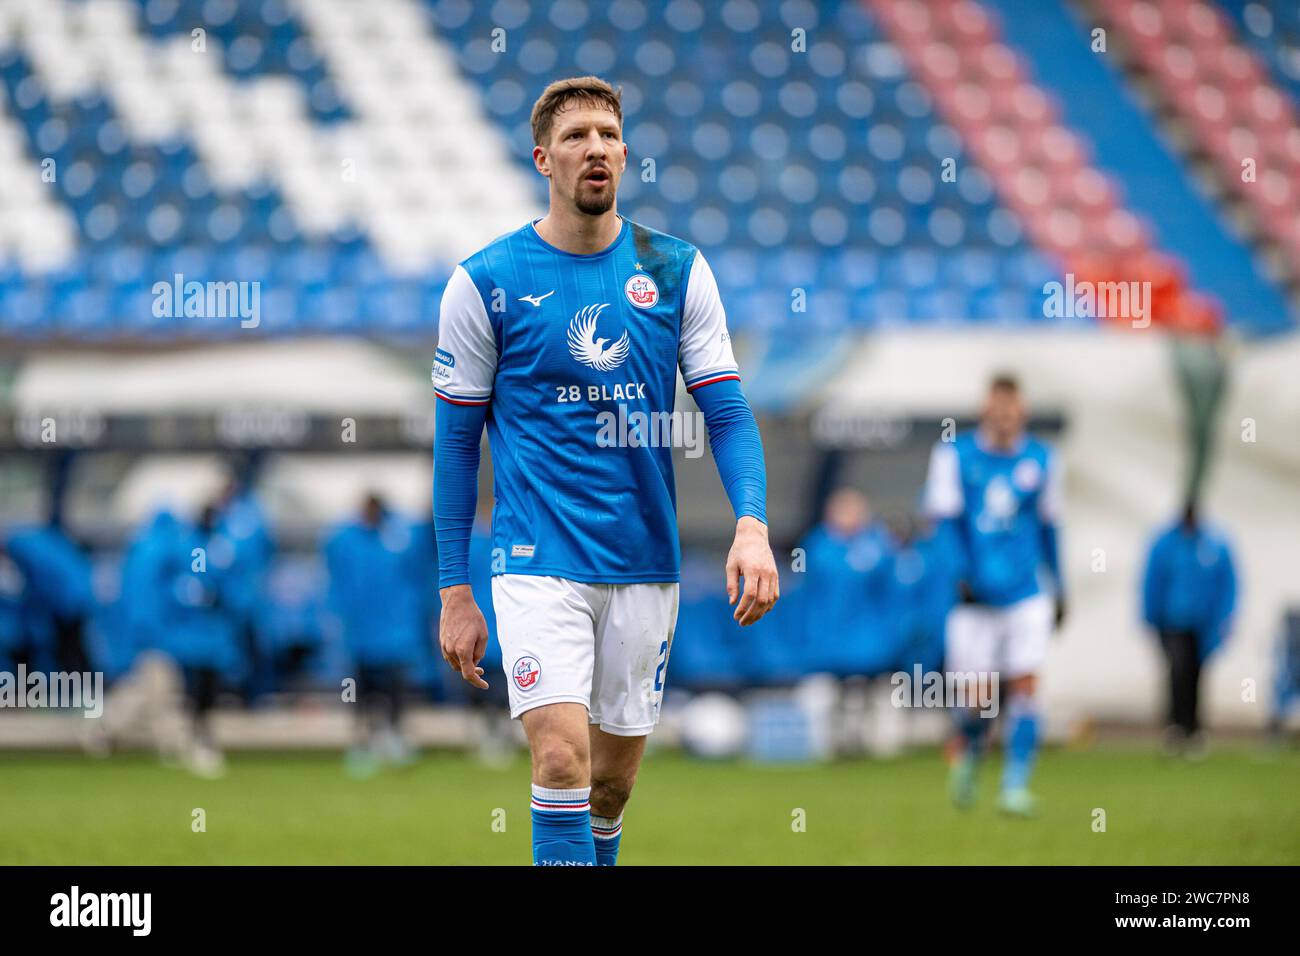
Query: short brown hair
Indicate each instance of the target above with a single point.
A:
(1004, 382)
(586, 90)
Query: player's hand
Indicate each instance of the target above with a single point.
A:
(1060, 613)
(462, 634)
(751, 559)
(964, 594)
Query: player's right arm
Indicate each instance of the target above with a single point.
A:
(944, 503)
(464, 370)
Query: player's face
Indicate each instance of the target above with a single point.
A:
(1004, 413)
(847, 512)
(585, 158)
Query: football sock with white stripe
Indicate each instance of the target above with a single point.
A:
(1022, 742)
(562, 827)
(606, 831)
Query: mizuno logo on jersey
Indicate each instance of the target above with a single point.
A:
(536, 299)
(592, 351)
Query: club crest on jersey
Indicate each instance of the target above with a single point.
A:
(526, 673)
(592, 351)
(641, 291)
(1026, 474)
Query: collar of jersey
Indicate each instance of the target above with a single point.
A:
(622, 233)
(984, 445)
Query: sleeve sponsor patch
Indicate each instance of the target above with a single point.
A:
(443, 363)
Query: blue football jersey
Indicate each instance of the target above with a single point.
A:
(1000, 501)
(576, 357)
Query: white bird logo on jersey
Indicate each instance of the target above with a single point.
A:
(588, 349)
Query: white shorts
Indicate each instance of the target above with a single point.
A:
(604, 646)
(1011, 640)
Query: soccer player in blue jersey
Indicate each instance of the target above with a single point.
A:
(547, 335)
(997, 493)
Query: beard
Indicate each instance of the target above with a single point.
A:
(594, 202)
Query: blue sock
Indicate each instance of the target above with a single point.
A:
(1022, 742)
(606, 831)
(562, 827)
(973, 730)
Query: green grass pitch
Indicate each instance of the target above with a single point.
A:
(1238, 806)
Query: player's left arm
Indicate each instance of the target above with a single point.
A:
(713, 379)
(1050, 506)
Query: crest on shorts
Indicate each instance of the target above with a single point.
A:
(526, 672)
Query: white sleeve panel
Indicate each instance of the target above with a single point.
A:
(704, 351)
(1051, 500)
(943, 494)
(466, 361)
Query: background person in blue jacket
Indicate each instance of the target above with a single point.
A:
(243, 533)
(923, 595)
(57, 599)
(376, 603)
(201, 631)
(850, 569)
(153, 559)
(1189, 592)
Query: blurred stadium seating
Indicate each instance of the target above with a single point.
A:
(346, 155)
(305, 147)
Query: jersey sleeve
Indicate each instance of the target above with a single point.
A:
(943, 494)
(704, 350)
(465, 363)
(1052, 498)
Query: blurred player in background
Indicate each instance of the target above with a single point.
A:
(546, 335)
(997, 492)
(1189, 592)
